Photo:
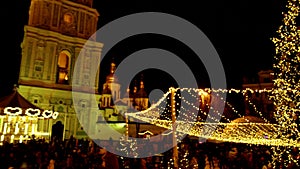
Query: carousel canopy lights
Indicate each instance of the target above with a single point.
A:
(13, 111)
(16, 111)
(32, 112)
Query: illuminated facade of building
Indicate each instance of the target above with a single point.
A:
(261, 100)
(54, 37)
(111, 103)
(113, 107)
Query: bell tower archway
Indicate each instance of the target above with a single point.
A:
(57, 130)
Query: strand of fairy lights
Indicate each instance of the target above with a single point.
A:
(218, 113)
(205, 113)
(252, 136)
(255, 108)
(241, 137)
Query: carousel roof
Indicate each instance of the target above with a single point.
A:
(248, 119)
(15, 104)
(15, 99)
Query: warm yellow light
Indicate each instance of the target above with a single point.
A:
(21, 139)
(17, 128)
(5, 128)
(12, 137)
(33, 129)
(26, 129)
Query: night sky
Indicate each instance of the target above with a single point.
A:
(240, 30)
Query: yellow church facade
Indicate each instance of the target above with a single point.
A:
(55, 40)
(54, 37)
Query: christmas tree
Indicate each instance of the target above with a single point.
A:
(286, 91)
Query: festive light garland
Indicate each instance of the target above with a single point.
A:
(47, 113)
(35, 113)
(13, 111)
(30, 112)
(128, 146)
(249, 132)
(255, 108)
(55, 115)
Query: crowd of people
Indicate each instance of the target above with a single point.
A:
(56, 154)
(85, 154)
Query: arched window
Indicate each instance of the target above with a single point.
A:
(68, 18)
(63, 63)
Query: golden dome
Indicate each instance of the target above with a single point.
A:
(111, 78)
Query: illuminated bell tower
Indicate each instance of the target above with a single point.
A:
(54, 36)
(56, 33)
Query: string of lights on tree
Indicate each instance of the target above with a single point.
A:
(286, 91)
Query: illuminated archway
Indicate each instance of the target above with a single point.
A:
(63, 67)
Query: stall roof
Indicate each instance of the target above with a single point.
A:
(15, 99)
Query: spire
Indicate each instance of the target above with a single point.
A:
(142, 82)
(134, 87)
(142, 93)
(111, 77)
(112, 67)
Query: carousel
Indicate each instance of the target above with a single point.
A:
(20, 119)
